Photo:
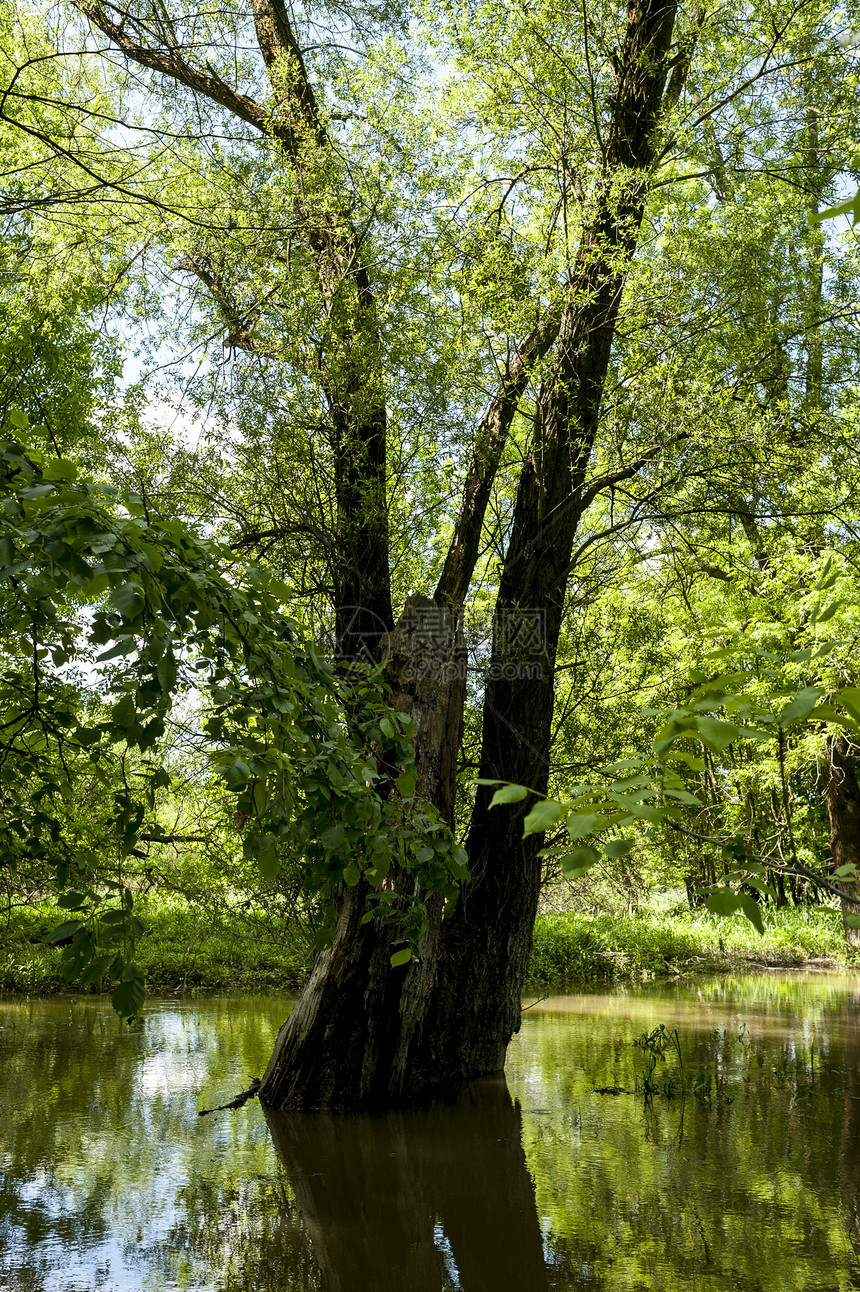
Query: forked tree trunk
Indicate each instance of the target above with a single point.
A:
(363, 1034)
(842, 794)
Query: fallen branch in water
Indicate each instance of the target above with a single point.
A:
(238, 1102)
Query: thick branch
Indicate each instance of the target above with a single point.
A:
(239, 335)
(491, 439)
(287, 71)
(170, 64)
(627, 473)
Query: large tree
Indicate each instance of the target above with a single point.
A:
(307, 201)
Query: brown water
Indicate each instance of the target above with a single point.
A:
(747, 1178)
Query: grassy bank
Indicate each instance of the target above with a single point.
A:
(183, 950)
(578, 948)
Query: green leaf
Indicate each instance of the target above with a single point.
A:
(693, 761)
(618, 848)
(823, 580)
(128, 996)
(77, 956)
(97, 969)
(849, 698)
(850, 207)
(542, 816)
(351, 876)
(237, 773)
(751, 909)
(674, 729)
(60, 469)
(333, 837)
(268, 861)
(72, 901)
(801, 706)
(124, 714)
(128, 600)
(828, 613)
(166, 671)
(407, 781)
(825, 713)
(401, 958)
(124, 646)
(577, 862)
(581, 824)
(852, 921)
(508, 794)
(63, 931)
(722, 901)
(87, 735)
(717, 735)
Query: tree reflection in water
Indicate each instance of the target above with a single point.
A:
(422, 1200)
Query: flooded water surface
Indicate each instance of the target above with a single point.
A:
(723, 1153)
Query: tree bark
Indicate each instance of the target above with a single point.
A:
(842, 795)
(485, 946)
(349, 1041)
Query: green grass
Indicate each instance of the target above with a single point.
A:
(577, 947)
(182, 950)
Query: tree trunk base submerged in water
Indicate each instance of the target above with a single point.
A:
(354, 1037)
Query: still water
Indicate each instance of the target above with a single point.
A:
(745, 1175)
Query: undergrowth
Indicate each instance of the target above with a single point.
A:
(182, 949)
